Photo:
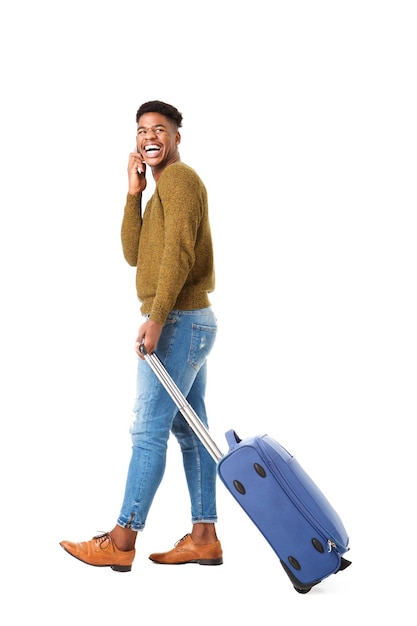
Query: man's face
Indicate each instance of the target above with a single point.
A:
(157, 140)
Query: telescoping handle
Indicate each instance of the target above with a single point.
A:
(183, 405)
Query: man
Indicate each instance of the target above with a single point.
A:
(170, 244)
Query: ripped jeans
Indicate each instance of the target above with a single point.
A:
(185, 343)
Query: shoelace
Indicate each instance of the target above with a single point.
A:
(182, 539)
(102, 537)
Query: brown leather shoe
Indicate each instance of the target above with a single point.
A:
(186, 551)
(101, 552)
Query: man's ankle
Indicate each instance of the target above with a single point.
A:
(203, 533)
(123, 538)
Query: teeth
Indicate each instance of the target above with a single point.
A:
(152, 147)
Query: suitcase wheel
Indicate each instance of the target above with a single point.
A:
(298, 585)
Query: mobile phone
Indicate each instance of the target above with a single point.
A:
(138, 152)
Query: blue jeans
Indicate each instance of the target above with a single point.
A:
(186, 340)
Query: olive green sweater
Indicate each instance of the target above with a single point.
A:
(170, 244)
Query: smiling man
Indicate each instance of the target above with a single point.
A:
(170, 244)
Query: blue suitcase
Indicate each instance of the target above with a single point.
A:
(287, 507)
(280, 498)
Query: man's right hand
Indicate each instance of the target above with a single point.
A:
(149, 333)
(136, 171)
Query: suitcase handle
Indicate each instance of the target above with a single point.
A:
(142, 349)
(232, 439)
(183, 405)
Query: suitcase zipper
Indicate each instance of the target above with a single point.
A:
(331, 543)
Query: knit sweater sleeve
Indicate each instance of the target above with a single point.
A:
(131, 227)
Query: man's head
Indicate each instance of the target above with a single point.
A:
(156, 106)
(158, 135)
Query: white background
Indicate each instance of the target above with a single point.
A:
(300, 118)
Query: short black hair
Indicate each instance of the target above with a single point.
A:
(156, 106)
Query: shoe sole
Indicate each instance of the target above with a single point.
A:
(218, 561)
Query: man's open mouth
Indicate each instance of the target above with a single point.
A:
(152, 149)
